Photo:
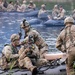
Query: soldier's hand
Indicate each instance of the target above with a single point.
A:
(20, 34)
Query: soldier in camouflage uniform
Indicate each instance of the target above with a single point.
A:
(10, 53)
(42, 10)
(40, 46)
(38, 40)
(31, 5)
(29, 58)
(66, 43)
(12, 57)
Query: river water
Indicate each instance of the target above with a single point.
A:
(10, 23)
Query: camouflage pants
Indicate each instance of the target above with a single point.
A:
(7, 65)
(70, 62)
(3, 62)
(27, 63)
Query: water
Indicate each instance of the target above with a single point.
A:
(10, 23)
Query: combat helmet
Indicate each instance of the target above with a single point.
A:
(69, 20)
(24, 1)
(43, 6)
(25, 24)
(31, 1)
(14, 37)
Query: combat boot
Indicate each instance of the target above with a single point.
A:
(34, 72)
(33, 69)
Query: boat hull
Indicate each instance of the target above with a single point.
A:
(59, 70)
(54, 70)
(55, 23)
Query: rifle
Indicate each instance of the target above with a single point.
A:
(31, 47)
(20, 32)
(28, 48)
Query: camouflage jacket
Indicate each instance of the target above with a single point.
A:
(66, 38)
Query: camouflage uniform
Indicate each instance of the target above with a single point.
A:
(66, 43)
(10, 53)
(23, 6)
(61, 14)
(38, 40)
(10, 7)
(40, 47)
(28, 61)
(42, 10)
(55, 12)
(31, 5)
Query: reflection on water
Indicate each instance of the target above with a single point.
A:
(10, 23)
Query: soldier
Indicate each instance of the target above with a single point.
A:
(42, 10)
(29, 54)
(23, 6)
(25, 61)
(10, 52)
(38, 40)
(13, 58)
(55, 12)
(10, 6)
(66, 43)
(31, 5)
(61, 14)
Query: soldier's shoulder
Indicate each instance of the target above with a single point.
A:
(34, 31)
(62, 32)
(7, 47)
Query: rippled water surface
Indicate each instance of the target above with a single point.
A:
(10, 23)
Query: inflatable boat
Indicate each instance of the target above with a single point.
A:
(43, 16)
(55, 23)
(33, 18)
(47, 23)
(32, 13)
(34, 21)
(55, 67)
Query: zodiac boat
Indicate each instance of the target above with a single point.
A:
(55, 23)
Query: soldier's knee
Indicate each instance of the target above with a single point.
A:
(27, 58)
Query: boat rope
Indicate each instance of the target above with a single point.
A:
(50, 65)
